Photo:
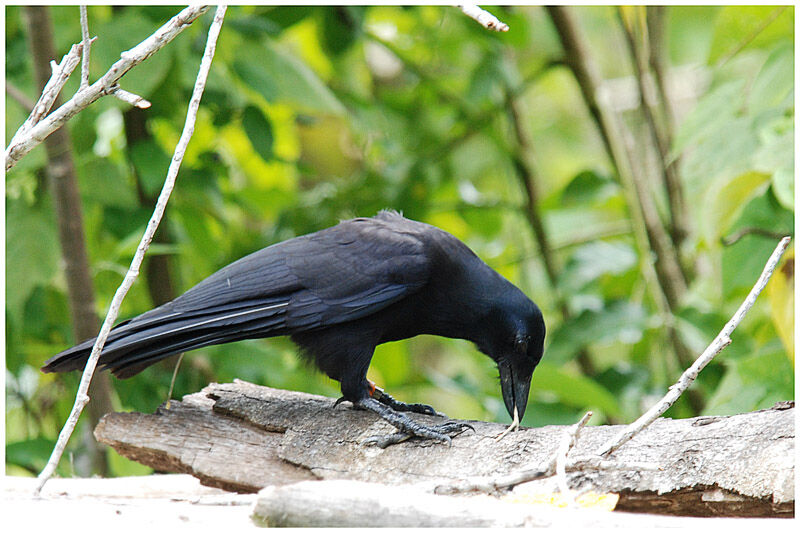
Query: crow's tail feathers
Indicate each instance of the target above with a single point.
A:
(136, 344)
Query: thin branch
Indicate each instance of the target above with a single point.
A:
(19, 147)
(649, 233)
(129, 98)
(690, 374)
(20, 97)
(656, 34)
(669, 170)
(87, 44)
(483, 17)
(522, 159)
(736, 236)
(81, 398)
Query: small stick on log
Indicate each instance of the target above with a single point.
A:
(567, 443)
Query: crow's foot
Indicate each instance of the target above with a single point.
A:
(408, 427)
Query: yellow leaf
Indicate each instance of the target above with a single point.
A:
(589, 500)
(726, 199)
(781, 297)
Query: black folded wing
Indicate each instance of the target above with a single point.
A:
(336, 275)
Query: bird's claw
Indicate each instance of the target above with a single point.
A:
(440, 432)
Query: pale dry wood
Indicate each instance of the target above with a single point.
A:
(748, 458)
(177, 502)
(343, 503)
(143, 503)
(483, 17)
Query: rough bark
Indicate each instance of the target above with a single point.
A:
(244, 437)
(66, 199)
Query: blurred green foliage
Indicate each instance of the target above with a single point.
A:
(315, 114)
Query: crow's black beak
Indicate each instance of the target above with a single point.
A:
(515, 385)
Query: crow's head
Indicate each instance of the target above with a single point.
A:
(515, 340)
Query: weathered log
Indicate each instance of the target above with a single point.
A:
(244, 437)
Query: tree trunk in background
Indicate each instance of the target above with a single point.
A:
(157, 270)
(64, 187)
(156, 267)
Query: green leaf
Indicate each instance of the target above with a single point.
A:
(736, 24)
(775, 80)
(593, 260)
(31, 454)
(573, 389)
(697, 329)
(254, 26)
(756, 382)
(783, 187)
(620, 321)
(341, 26)
(286, 16)
(120, 33)
(151, 164)
(588, 187)
(259, 130)
(280, 77)
(32, 252)
(709, 116)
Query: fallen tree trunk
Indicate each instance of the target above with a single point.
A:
(244, 437)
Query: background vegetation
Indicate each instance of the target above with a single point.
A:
(315, 114)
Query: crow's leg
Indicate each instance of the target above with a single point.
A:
(384, 397)
(408, 427)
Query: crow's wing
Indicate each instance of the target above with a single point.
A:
(343, 273)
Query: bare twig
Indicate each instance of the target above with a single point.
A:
(22, 144)
(513, 427)
(736, 236)
(690, 374)
(129, 98)
(87, 44)
(172, 381)
(81, 398)
(567, 443)
(483, 17)
(492, 484)
(61, 73)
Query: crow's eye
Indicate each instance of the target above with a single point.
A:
(521, 344)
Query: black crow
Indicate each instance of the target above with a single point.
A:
(338, 293)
